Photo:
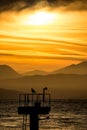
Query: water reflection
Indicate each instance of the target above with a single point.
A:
(64, 115)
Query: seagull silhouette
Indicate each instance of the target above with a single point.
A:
(32, 90)
(44, 88)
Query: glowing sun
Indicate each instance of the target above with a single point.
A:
(40, 18)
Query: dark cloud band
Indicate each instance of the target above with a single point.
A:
(17, 5)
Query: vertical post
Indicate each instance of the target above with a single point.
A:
(24, 122)
(49, 99)
(34, 123)
(33, 106)
(19, 100)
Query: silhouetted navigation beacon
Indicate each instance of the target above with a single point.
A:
(33, 104)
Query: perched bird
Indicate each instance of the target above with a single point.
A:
(32, 90)
(44, 88)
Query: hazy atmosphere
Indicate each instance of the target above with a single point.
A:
(42, 34)
(43, 64)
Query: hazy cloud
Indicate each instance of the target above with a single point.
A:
(17, 5)
(49, 41)
(62, 56)
(5, 54)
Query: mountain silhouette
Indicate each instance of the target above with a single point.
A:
(80, 68)
(6, 72)
(69, 82)
(60, 85)
(35, 72)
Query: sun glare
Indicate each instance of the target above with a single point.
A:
(40, 18)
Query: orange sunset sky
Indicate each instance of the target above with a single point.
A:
(42, 34)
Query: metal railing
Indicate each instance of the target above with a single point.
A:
(29, 99)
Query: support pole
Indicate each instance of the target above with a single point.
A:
(24, 122)
(33, 106)
(34, 123)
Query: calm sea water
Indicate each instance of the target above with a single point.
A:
(64, 115)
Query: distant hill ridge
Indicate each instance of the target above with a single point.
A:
(59, 85)
(6, 72)
(80, 68)
(35, 72)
